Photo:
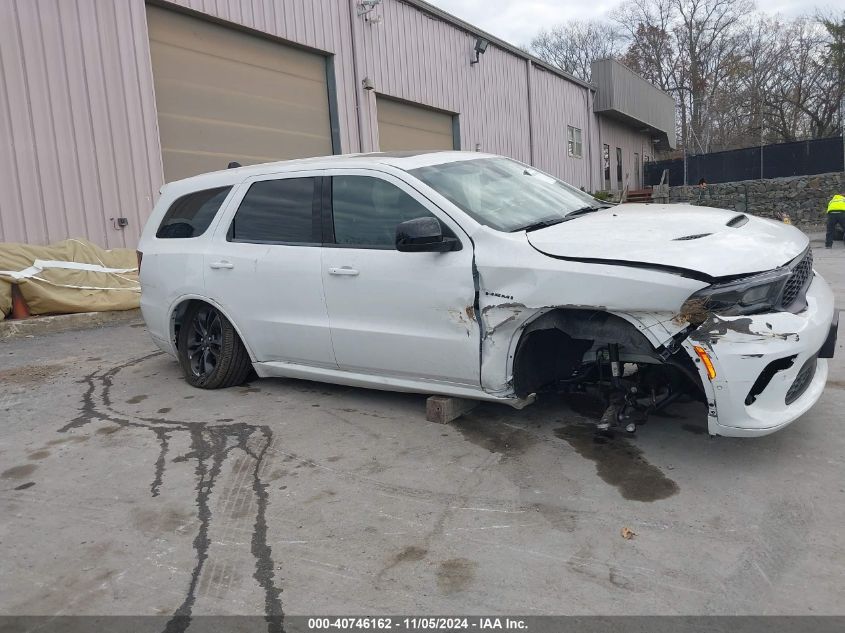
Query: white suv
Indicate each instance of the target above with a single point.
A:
(477, 276)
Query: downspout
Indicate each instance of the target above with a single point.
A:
(532, 157)
(590, 137)
(356, 75)
(601, 154)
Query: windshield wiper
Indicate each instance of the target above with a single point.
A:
(552, 221)
(539, 225)
(584, 210)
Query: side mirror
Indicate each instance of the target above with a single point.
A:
(423, 235)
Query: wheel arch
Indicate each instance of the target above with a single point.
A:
(180, 306)
(555, 341)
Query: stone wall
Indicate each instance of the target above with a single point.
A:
(803, 198)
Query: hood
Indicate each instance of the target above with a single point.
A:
(702, 240)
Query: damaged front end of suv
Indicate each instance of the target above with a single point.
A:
(639, 303)
(640, 335)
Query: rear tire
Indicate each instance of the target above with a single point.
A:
(210, 351)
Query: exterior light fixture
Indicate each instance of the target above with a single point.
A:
(366, 6)
(480, 47)
(368, 84)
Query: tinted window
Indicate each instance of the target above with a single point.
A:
(367, 210)
(190, 215)
(277, 211)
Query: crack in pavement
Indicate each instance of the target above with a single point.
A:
(210, 447)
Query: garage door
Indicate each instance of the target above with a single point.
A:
(225, 95)
(403, 126)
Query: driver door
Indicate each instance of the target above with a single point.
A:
(394, 313)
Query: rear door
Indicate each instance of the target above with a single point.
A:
(263, 268)
(396, 314)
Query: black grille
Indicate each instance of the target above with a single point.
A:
(798, 281)
(802, 381)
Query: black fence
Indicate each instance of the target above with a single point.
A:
(801, 158)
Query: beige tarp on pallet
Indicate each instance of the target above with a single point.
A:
(69, 276)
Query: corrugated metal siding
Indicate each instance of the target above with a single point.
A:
(630, 141)
(78, 120)
(409, 55)
(621, 90)
(556, 104)
(417, 57)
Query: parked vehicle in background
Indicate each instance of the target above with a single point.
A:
(477, 276)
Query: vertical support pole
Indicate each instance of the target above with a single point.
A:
(842, 129)
(529, 85)
(356, 73)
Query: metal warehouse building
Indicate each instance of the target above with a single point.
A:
(103, 101)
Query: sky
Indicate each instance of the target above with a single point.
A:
(516, 21)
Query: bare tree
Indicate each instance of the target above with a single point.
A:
(574, 46)
(741, 104)
(647, 26)
(834, 77)
(686, 47)
(739, 76)
(709, 40)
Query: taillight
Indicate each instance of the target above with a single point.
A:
(140, 257)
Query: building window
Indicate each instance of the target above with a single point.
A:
(605, 157)
(619, 168)
(573, 138)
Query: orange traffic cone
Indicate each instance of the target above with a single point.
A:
(19, 308)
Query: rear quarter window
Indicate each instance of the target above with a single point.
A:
(191, 215)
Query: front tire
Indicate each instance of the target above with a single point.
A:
(210, 351)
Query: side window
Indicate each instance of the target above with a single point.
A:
(367, 210)
(277, 212)
(190, 215)
(575, 147)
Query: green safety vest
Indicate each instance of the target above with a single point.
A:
(837, 203)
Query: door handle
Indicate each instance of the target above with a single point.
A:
(221, 264)
(345, 270)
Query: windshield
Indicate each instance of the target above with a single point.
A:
(505, 194)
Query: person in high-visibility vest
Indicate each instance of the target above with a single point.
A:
(835, 215)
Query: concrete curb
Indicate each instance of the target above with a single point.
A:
(39, 326)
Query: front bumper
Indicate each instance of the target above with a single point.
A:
(742, 347)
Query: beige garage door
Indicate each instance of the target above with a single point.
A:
(402, 126)
(224, 95)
